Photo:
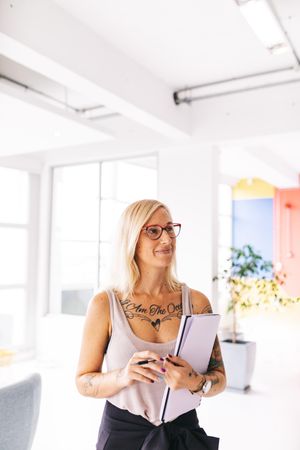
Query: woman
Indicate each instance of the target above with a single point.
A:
(137, 320)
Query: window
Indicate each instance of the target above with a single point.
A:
(14, 257)
(87, 202)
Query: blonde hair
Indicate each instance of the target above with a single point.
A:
(125, 273)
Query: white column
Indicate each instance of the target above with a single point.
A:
(44, 237)
(188, 184)
(32, 266)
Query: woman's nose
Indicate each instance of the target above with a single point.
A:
(165, 237)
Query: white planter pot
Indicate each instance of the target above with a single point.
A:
(239, 361)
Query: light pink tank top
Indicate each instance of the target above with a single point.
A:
(139, 398)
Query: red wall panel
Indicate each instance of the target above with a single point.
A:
(287, 236)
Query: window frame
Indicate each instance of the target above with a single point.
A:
(28, 345)
(54, 302)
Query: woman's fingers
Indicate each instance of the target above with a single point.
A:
(142, 378)
(142, 373)
(147, 372)
(176, 372)
(155, 366)
(176, 360)
(140, 356)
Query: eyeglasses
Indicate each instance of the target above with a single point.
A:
(155, 231)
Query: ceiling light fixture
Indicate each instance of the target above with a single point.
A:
(263, 21)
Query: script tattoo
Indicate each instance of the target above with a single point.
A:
(169, 311)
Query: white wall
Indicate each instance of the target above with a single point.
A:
(187, 183)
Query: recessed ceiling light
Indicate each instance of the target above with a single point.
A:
(265, 24)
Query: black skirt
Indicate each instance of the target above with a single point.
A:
(121, 430)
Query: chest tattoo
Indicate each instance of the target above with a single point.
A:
(154, 314)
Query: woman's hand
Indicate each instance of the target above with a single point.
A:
(145, 373)
(180, 374)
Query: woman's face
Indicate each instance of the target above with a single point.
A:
(159, 252)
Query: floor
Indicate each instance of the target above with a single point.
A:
(265, 418)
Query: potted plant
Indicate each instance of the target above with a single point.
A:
(251, 282)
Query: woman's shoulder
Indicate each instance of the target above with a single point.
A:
(200, 303)
(99, 303)
(98, 312)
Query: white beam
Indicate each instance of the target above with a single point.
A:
(274, 169)
(243, 161)
(26, 163)
(42, 36)
(27, 96)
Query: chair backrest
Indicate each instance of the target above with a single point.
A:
(19, 412)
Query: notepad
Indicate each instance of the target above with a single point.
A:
(194, 343)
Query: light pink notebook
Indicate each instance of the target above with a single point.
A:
(194, 343)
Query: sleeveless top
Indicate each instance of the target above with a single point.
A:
(139, 398)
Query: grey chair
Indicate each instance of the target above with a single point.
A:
(19, 412)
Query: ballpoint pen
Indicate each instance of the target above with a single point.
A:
(145, 361)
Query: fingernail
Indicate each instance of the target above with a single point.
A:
(170, 356)
(152, 381)
(163, 370)
(161, 359)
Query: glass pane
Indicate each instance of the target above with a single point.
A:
(12, 317)
(110, 213)
(13, 256)
(135, 182)
(123, 182)
(76, 202)
(105, 257)
(108, 175)
(75, 301)
(78, 264)
(14, 192)
(129, 180)
(75, 234)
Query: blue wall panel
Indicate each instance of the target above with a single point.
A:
(253, 224)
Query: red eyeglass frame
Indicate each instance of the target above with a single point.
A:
(163, 228)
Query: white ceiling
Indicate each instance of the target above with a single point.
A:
(177, 44)
(186, 43)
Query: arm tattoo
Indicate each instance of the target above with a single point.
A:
(206, 310)
(88, 383)
(214, 380)
(119, 373)
(193, 373)
(216, 361)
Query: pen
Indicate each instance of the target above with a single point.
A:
(145, 361)
(174, 363)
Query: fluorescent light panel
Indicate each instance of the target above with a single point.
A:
(262, 20)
